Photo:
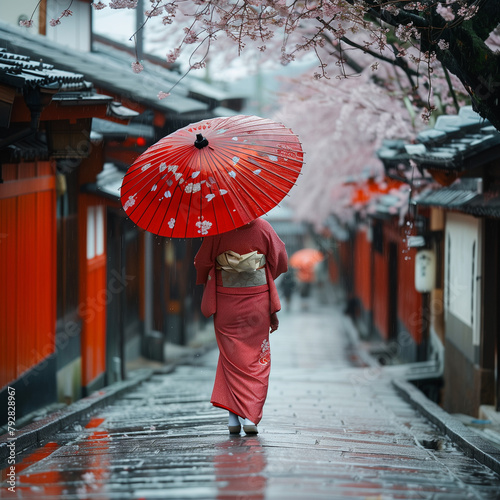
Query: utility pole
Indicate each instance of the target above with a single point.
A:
(42, 18)
(139, 35)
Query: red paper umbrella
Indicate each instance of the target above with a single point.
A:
(212, 176)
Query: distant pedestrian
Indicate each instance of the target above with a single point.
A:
(306, 278)
(287, 286)
(304, 261)
(238, 269)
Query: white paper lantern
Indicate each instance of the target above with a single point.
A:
(425, 271)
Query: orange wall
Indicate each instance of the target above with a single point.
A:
(27, 267)
(381, 294)
(362, 269)
(93, 297)
(409, 300)
(344, 261)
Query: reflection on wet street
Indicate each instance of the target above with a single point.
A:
(240, 466)
(331, 430)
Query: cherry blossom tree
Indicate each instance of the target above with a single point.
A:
(340, 127)
(451, 34)
(343, 121)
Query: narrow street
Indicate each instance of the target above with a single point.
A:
(331, 430)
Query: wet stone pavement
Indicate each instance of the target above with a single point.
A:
(331, 430)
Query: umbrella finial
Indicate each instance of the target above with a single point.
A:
(200, 142)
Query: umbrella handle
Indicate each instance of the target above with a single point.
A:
(200, 142)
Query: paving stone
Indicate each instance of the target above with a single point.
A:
(330, 430)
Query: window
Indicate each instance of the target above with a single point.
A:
(95, 231)
(67, 242)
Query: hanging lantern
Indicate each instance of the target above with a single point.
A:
(425, 271)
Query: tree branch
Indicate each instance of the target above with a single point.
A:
(349, 60)
(403, 17)
(398, 62)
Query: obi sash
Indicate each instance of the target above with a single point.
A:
(245, 270)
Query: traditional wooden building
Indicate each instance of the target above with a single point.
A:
(45, 139)
(463, 155)
(115, 292)
(373, 264)
(455, 216)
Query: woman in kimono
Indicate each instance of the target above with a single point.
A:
(238, 269)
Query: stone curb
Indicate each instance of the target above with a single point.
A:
(466, 439)
(353, 340)
(36, 433)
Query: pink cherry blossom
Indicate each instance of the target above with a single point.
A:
(137, 67)
(445, 12)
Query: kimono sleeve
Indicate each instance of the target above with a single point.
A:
(204, 261)
(276, 258)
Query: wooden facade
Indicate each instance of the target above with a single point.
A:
(94, 293)
(455, 325)
(27, 269)
(362, 270)
(377, 273)
(52, 326)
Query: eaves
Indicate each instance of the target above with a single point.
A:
(106, 73)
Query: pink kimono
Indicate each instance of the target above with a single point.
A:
(242, 316)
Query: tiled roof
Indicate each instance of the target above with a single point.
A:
(455, 144)
(27, 149)
(458, 145)
(464, 195)
(22, 72)
(113, 74)
(108, 183)
(484, 205)
(393, 152)
(454, 196)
